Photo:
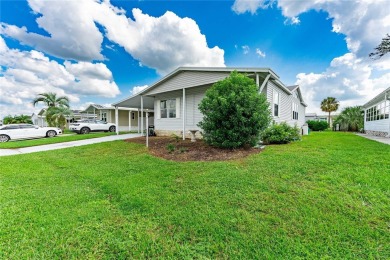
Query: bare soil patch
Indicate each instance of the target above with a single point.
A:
(184, 150)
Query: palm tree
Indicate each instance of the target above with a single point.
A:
(58, 116)
(351, 118)
(329, 104)
(52, 102)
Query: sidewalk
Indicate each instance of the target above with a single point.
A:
(49, 147)
(384, 140)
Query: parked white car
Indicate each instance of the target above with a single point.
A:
(26, 131)
(87, 126)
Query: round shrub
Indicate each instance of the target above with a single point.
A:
(280, 134)
(317, 125)
(234, 113)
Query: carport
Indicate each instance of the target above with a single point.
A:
(139, 102)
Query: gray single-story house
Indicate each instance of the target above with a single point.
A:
(376, 115)
(175, 98)
(321, 117)
(128, 118)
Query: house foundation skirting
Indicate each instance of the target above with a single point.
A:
(177, 132)
(377, 133)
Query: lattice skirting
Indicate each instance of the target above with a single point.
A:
(377, 133)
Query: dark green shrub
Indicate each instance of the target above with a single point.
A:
(280, 134)
(234, 113)
(317, 125)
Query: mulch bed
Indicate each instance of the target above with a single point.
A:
(185, 150)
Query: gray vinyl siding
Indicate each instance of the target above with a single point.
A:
(285, 105)
(193, 98)
(377, 125)
(187, 79)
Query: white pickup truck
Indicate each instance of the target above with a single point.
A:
(87, 126)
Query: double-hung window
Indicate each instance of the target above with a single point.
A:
(295, 111)
(276, 103)
(168, 108)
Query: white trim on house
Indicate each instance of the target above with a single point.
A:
(188, 86)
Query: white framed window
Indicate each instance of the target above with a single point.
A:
(378, 112)
(295, 113)
(168, 108)
(276, 101)
(104, 116)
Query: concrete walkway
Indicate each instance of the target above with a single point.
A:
(49, 147)
(384, 140)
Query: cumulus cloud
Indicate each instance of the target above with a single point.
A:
(137, 89)
(352, 78)
(348, 78)
(28, 73)
(162, 43)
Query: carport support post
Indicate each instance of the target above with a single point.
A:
(147, 131)
(184, 114)
(138, 120)
(129, 120)
(142, 115)
(116, 121)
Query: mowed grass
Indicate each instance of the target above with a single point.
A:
(324, 197)
(57, 139)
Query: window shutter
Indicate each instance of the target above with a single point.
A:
(178, 108)
(158, 110)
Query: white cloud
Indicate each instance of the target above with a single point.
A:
(28, 73)
(137, 89)
(352, 78)
(348, 78)
(251, 6)
(260, 53)
(163, 43)
(245, 49)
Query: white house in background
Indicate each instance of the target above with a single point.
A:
(128, 117)
(175, 98)
(39, 119)
(321, 117)
(376, 115)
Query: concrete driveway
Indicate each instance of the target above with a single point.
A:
(384, 140)
(49, 147)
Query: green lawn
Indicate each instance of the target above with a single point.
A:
(53, 140)
(324, 197)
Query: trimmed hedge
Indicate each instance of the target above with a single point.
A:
(317, 125)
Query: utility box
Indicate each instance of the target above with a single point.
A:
(305, 129)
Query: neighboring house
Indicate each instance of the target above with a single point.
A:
(175, 97)
(128, 117)
(376, 115)
(1, 122)
(322, 117)
(40, 118)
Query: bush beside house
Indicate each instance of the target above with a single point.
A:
(234, 113)
(280, 134)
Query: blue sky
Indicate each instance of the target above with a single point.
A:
(99, 52)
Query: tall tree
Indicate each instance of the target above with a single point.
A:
(382, 48)
(53, 103)
(51, 100)
(329, 104)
